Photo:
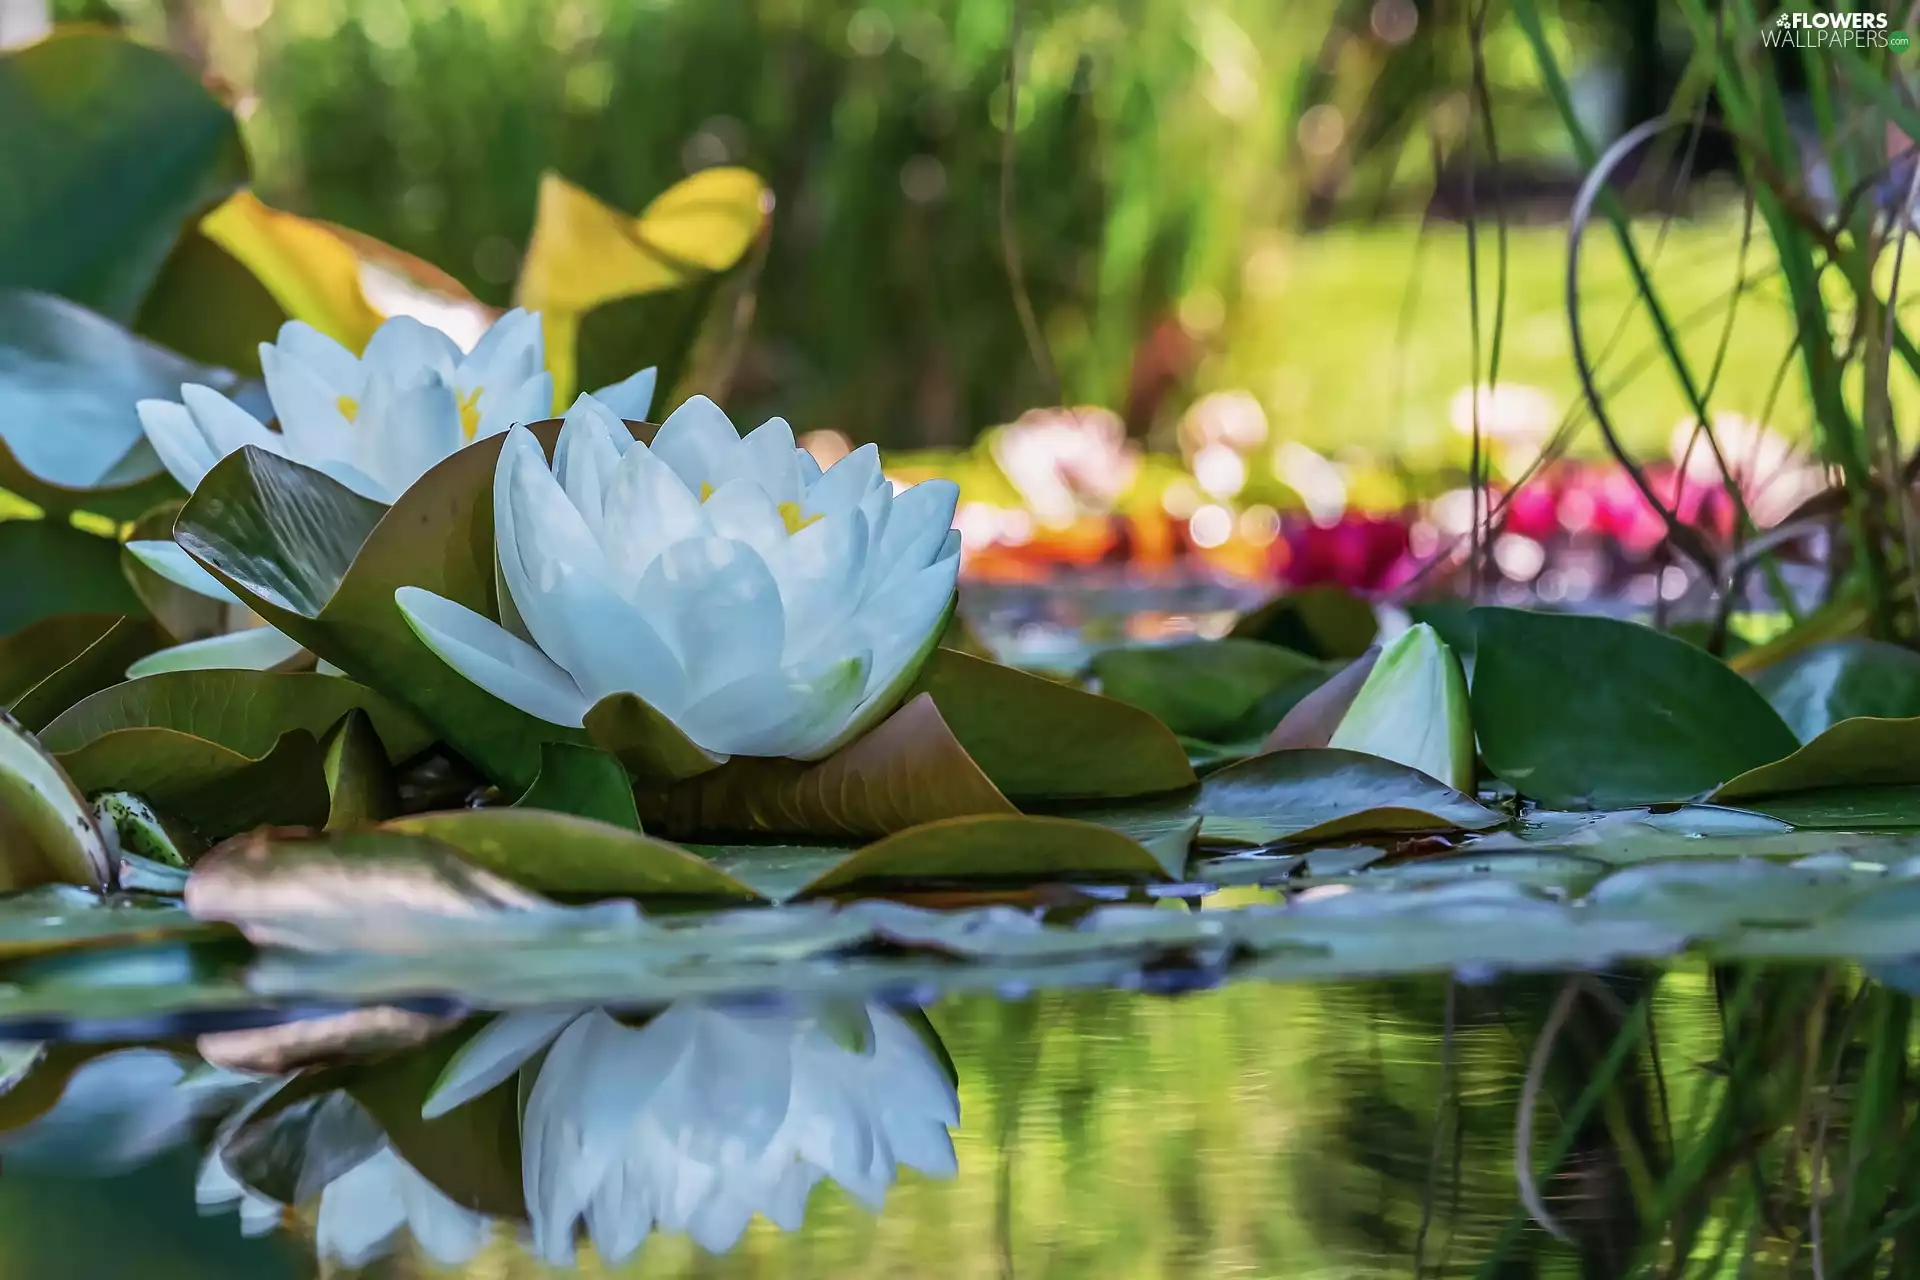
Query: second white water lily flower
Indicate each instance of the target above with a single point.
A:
(1413, 710)
(706, 1115)
(765, 607)
(375, 422)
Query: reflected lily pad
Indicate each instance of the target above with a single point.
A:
(1587, 712)
(1318, 795)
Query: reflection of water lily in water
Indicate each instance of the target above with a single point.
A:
(764, 606)
(363, 1212)
(121, 1109)
(703, 1116)
(375, 422)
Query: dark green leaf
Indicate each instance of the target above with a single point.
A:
(51, 568)
(124, 145)
(185, 615)
(360, 781)
(653, 749)
(996, 848)
(584, 782)
(216, 789)
(1330, 623)
(47, 666)
(562, 853)
(48, 832)
(1593, 712)
(906, 771)
(1844, 808)
(1038, 739)
(1853, 753)
(322, 564)
(1817, 688)
(209, 307)
(1320, 794)
(1204, 688)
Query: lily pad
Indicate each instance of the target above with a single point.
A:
(1595, 713)
(1817, 688)
(66, 917)
(47, 666)
(224, 749)
(360, 784)
(1319, 794)
(995, 847)
(1205, 688)
(564, 853)
(48, 832)
(906, 771)
(583, 782)
(125, 145)
(652, 747)
(53, 568)
(322, 564)
(1038, 739)
(1844, 808)
(1322, 622)
(1859, 752)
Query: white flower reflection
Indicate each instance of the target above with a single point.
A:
(705, 1115)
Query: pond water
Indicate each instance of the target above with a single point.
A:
(1676, 1118)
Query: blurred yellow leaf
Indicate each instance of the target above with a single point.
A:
(585, 253)
(339, 281)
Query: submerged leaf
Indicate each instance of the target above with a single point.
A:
(1597, 713)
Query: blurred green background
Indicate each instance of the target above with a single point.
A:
(1211, 194)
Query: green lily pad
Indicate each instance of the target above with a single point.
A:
(1319, 794)
(583, 782)
(565, 853)
(995, 847)
(322, 564)
(1714, 899)
(1584, 712)
(1817, 688)
(66, 917)
(652, 747)
(1037, 739)
(906, 771)
(224, 749)
(1859, 752)
(48, 832)
(52, 568)
(1330, 623)
(125, 145)
(209, 307)
(1844, 808)
(47, 666)
(1634, 836)
(1205, 688)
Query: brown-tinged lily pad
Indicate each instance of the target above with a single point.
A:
(995, 847)
(565, 853)
(1312, 720)
(906, 771)
(1038, 739)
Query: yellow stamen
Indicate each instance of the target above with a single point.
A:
(789, 511)
(470, 413)
(348, 406)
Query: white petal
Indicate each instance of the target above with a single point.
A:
(740, 509)
(170, 561)
(845, 483)
(766, 456)
(592, 442)
(809, 465)
(778, 713)
(715, 603)
(501, 663)
(337, 367)
(916, 529)
(900, 623)
(559, 581)
(224, 425)
(253, 649)
(820, 570)
(515, 405)
(512, 350)
(405, 349)
(648, 509)
(174, 435)
(631, 398)
(696, 440)
(311, 421)
(492, 1055)
(405, 428)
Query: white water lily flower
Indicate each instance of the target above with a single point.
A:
(706, 1115)
(765, 607)
(375, 422)
(1413, 710)
(363, 1212)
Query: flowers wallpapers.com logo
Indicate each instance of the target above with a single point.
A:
(1833, 30)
